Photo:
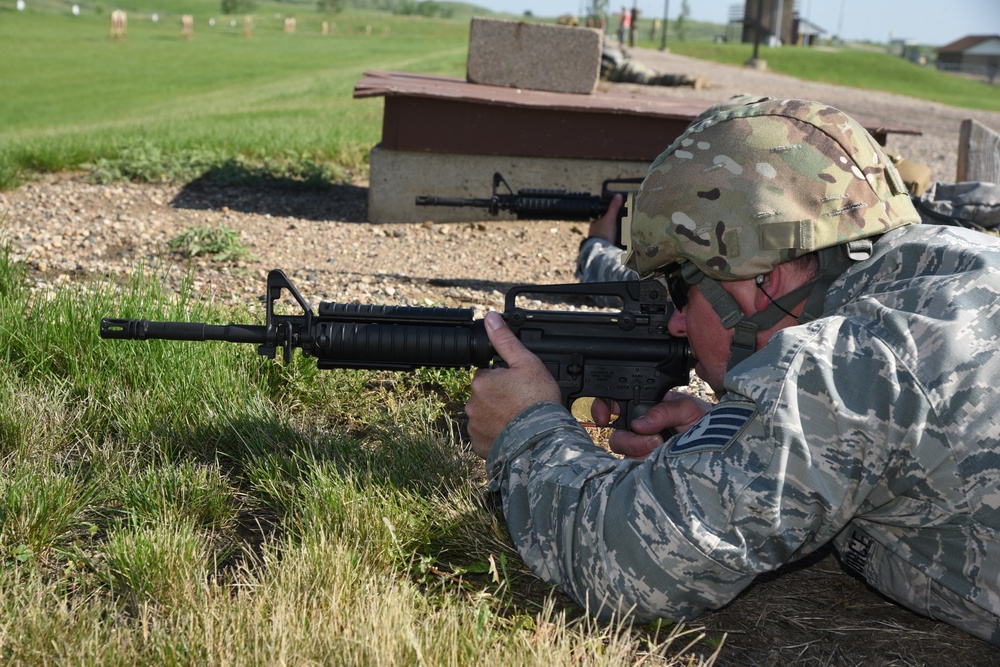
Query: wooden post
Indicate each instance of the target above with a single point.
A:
(978, 153)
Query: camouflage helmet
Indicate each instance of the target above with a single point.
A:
(732, 102)
(759, 184)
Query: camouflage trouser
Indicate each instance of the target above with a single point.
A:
(972, 204)
(672, 80)
(906, 584)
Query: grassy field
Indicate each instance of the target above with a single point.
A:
(858, 68)
(185, 503)
(173, 503)
(73, 96)
(155, 105)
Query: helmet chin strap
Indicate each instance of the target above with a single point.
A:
(745, 328)
(832, 262)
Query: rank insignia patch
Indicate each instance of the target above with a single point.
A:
(717, 429)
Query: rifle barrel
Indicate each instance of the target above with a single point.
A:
(129, 329)
(430, 200)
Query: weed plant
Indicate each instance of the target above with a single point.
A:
(221, 243)
(195, 503)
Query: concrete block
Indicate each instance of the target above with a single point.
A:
(398, 177)
(516, 54)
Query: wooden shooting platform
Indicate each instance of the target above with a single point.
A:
(446, 137)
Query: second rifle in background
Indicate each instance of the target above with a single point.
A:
(542, 203)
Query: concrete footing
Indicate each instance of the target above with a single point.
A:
(399, 177)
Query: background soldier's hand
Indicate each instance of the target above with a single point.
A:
(500, 394)
(606, 226)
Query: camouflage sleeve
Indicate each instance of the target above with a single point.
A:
(600, 261)
(740, 493)
(614, 534)
(874, 427)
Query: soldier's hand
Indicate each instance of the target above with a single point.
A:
(602, 410)
(606, 226)
(500, 394)
(676, 412)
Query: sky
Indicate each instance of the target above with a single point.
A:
(933, 22)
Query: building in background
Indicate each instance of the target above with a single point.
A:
(978, 55)
(807, 33)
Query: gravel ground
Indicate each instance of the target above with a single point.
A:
(67, 229)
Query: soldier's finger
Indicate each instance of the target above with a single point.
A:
(602, 409)
(633, 445)
(506, 343)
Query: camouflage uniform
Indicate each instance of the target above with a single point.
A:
(618, 67)
(600, 261)
(972, 204)
(872, 426)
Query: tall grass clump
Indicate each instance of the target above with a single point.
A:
(194, 503)
(162, 564)
(41, 509)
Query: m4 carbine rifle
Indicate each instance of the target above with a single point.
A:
(626, 355)
(539, 203)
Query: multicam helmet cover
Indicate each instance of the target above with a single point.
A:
(748, 188)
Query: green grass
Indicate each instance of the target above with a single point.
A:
(858, 68)
(72, 96)
(195, 503)
(220, 243)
